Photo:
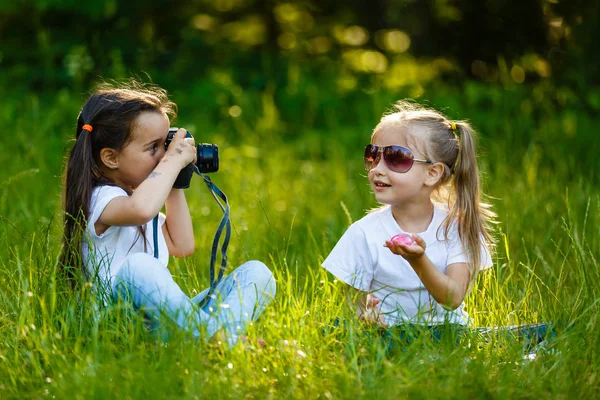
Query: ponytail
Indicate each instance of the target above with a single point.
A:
(105, 121)
(453, 144)
(472, 215)
(80, 177)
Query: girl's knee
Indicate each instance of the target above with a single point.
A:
(261, 275)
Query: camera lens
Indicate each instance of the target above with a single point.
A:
(207, 153)
(207, 157)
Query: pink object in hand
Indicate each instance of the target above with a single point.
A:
(403, 239)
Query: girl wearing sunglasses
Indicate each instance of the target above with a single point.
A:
(422, 167)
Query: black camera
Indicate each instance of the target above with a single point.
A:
(207, 154)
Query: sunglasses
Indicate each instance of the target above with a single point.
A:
(397, 158)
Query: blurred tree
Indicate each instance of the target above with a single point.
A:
(573, 31)
(58, 42)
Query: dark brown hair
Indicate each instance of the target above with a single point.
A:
(112, 111)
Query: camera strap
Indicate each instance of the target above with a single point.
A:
(224, 224)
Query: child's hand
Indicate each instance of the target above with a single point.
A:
(409, 252)
(181, 149)
(371, 313)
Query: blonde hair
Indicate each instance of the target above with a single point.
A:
(459, 185)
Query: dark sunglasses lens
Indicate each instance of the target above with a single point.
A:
(370, 156)
(398, 159)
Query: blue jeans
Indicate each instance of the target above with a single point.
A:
(529, 335)
(238, 299)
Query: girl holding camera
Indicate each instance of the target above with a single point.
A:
(119, 176)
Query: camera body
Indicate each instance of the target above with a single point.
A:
(207, 154)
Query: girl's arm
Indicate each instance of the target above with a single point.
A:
(149, 198)
(447, 289)
(178, 230)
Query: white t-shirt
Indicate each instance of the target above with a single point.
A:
(361, 260)
(104, 254)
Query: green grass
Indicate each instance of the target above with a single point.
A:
(295, 182)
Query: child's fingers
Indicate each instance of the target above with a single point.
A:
(374, 316)
(191, 141)
(372, 303)
(396, 248)
(371, 316)
(391, 245)
(180, 134)
(182, 147)
(419, 240)
(192, 145)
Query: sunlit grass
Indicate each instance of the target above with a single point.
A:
(293, 193)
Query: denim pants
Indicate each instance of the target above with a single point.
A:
(238, 299)
(400, 336)
(528, 335)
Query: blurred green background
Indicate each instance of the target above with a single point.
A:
(50, 44)
(290, 91)
(309, 80)
(302, 72)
